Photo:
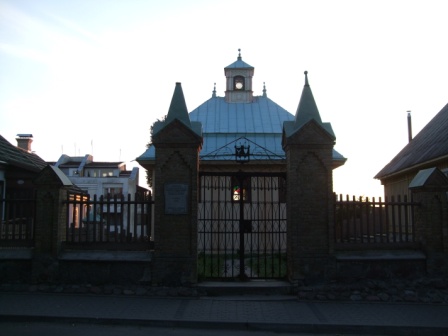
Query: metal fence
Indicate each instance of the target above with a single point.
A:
(17, 220)
(364, 221)
(111, 222)
(119, 222)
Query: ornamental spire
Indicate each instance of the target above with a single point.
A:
(178, 107)
(307, 108)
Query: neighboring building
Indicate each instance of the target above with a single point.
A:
(100, 178)
(108, 179)
(428, 149)
(18, 166)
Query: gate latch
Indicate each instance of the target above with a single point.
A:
(246, 226)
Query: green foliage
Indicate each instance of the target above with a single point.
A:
(262, 265)
(210, 266)
(269, 266)
(151, 132)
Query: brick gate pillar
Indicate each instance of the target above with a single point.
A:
(308, 144)
(51, 223)
(430, 188)
(51, 210)
(177, 143)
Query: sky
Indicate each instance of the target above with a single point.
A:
(92, 76)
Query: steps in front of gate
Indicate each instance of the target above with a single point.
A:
(252, 288)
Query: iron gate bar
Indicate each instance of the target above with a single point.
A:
(240, 178)
(227, 248)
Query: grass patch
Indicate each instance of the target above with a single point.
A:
(262, 266)
(268, 266)
(210, 266)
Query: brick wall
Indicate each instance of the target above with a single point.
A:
(175, 234)
(309, 202)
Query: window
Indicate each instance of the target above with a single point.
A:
(112, 191)
(238, 83)
(100, 172)
(107, 172)
(240, 190)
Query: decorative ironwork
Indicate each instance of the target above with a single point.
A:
(242, 153)
(257, 152)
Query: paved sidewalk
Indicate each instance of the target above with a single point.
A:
(279, 313)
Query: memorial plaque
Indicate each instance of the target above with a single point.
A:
(176, 199)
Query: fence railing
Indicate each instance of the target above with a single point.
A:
(119, 222)
(17, 221)
(109, 222)
(388, 223)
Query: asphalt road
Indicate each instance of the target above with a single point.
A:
(46, 329)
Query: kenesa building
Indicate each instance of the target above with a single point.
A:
(241, 175)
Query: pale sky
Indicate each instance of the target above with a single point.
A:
(91, 76)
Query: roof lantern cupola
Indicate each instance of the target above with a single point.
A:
(239, 81)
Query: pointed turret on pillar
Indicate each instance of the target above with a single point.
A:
(306, 112)
(177, 111)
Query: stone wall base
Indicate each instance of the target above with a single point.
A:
(380, 264)
(83, 267)
(15, 271)
(437, 263)
(136, 268)
(174, 271)
(314, 268)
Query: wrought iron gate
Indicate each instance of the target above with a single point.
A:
(242, 226)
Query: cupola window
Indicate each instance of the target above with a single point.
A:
(238, 83)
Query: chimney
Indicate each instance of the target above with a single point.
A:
(24, 141)
(409, 127)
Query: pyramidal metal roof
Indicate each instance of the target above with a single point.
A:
(239, 63)
(222, 123)
(261, 116)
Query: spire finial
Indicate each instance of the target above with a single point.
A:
(214, 90)
(239, 54)
(306, 78)
(264, 89)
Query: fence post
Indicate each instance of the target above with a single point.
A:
(50, 227)
(430, 189)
